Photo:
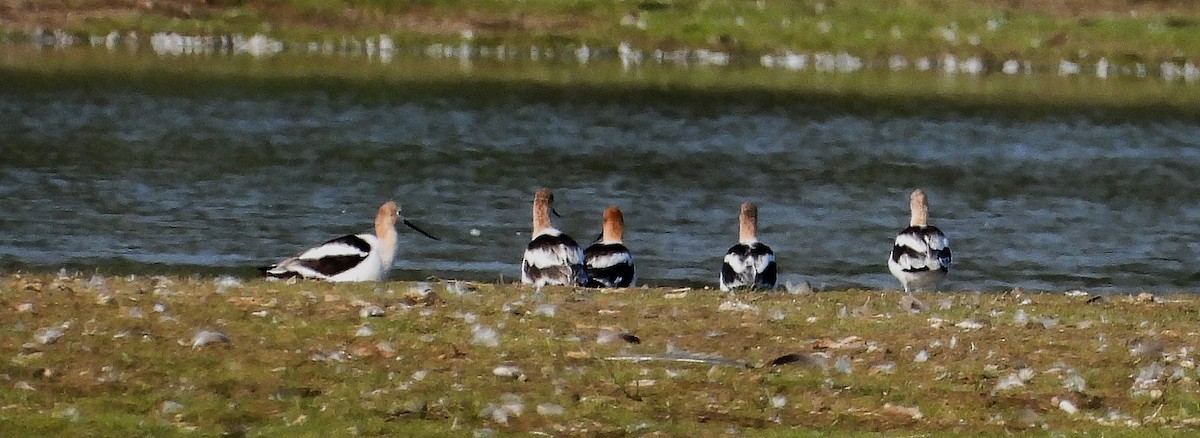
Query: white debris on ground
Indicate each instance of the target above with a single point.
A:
(485, 336)
(508, 371)
(1066, 405)
(550, 410)
(364, 331)
(912, 412)
(547, 310)
(843, 365)
(205, 337)
(509, 405)
(1017, 379)
(50, 335)
(371, 311)
(922, 356)
(737, 306)
(779, 401)
(224, 283)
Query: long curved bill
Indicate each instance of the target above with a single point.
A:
(414, 227)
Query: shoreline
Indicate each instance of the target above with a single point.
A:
(789, 283)
(1086, 36)
(909, 92)
(178, 355)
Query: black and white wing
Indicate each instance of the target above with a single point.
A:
(609, 265)
(920, 258)
(553, 258)
(324, 261)
(748, 266)
(920, 249)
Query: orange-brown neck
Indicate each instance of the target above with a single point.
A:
(614, 225)
(541, 210)
(748, 223)
(920, 209)
(385, 230)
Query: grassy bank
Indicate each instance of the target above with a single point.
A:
(92, 355)
(27, 70)
(1131, 36)
(1121, 30)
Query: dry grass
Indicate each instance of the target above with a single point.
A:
(89, 355)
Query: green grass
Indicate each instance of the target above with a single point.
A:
(1146, 31)
(125, 364)
(24, 70)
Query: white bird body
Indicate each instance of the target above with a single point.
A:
(921, 255)
(609, 263)
(353, 257)
(552, 258)
(749, 263)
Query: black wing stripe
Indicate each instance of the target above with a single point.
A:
(353, 241)
(333, 265)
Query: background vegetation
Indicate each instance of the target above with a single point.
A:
(1121, 30)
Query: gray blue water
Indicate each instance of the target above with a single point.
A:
(123, 181)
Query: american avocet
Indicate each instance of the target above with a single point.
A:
(551, 257)
(354, 257)
(609, 263)
(921, 256)
(750, 263)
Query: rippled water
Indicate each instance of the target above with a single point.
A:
(131, 182)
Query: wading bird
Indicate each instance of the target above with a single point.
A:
(551, 257)
(354, 257)
(750, 263)
(921, 256)
(609, 263)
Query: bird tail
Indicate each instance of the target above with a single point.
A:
(277, 271)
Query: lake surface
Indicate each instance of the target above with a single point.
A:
(128, 181)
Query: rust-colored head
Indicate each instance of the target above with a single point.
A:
(543, 201)
(614, 225)
(748, 223)
(385, 220)
(920, 208)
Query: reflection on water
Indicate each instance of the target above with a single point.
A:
(225, 183)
